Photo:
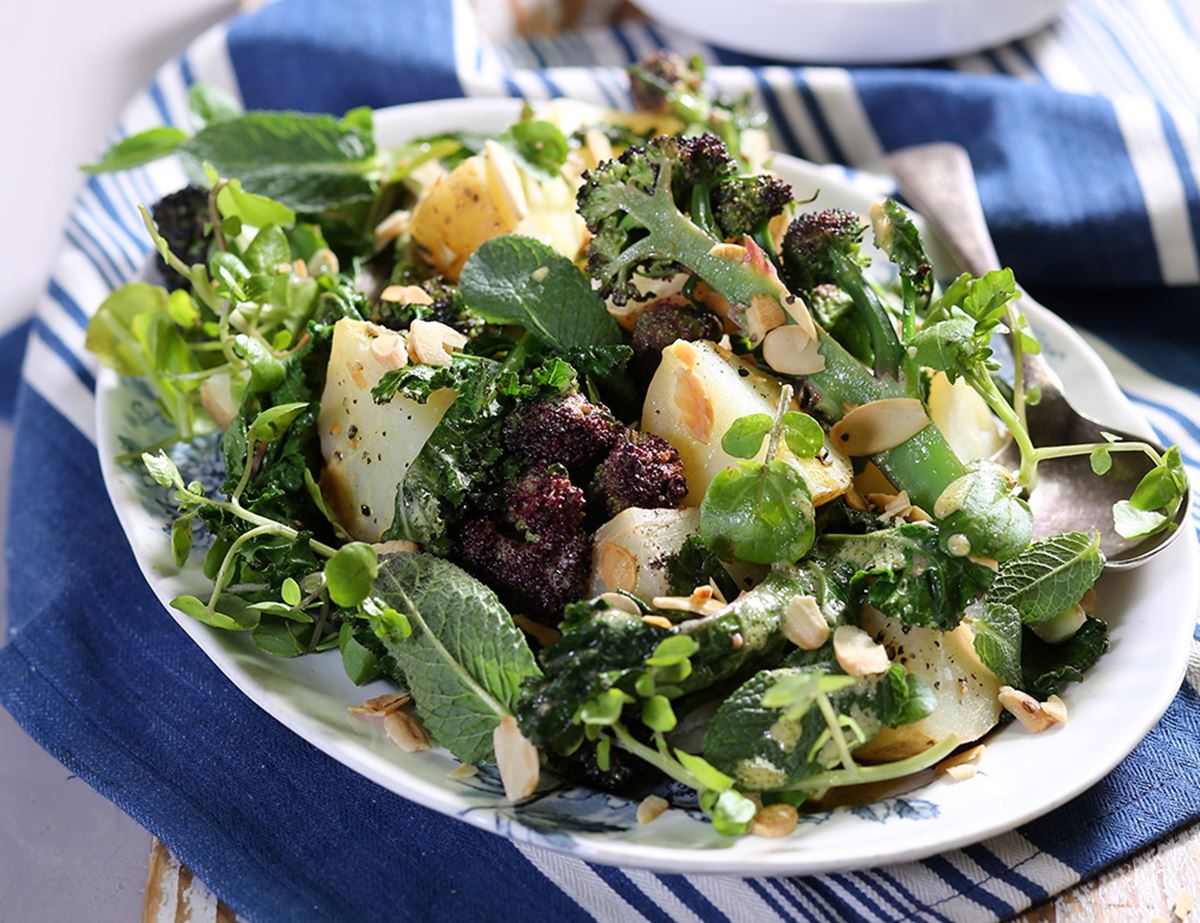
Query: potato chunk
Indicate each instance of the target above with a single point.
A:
(698, 391)
(964, 688)
(631, 550)
(368, 447)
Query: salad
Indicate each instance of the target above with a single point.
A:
(608, 449)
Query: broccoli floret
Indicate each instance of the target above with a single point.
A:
(745, 204)
(545, 506)
(822, 248)
(642, 470)
(567, 429)
(182, 219)
(635, 208)
(541, 577)
(834, 310)
(667, 320)
(660, 79)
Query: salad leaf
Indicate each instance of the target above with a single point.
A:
(138, 149)
(1049, 575)
(758, 512)
(997, 628)
(465, 660)
(540, 146)
(984, 508)
(305, 162)
(518, 280)
(209, 105)
(1048, 668)
(904, 573)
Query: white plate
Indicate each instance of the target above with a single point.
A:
(855, 31)
(1150, 612)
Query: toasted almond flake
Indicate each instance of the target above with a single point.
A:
(1055, 709)
(892, 507)
(879, 426)
(618, 567)
(775, 820)
(430, 342)
(804, 624)
(300, 268)
(391, 227)
(961, 773)
(406, 732)
(916, 514)
(323, 261)
(733, 252)
(381, 705)
(972, 755)
(516, 758)
(694, 406)
(658, 621)
(544, 634)
(791, 351)
(854, 500)
(1088, 603)
(716, 590)
(1025, 708)
(1183, 904)
(736, 641)
(650, 807)
(857, 652)
(539, 274)
(463, 771)
(622, 602)
(355, 368)
(396, 546)
(703, 604)
(798, 311)
(390, 350)
(764, 315)
(405, 294)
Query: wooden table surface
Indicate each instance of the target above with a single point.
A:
(1158, 884)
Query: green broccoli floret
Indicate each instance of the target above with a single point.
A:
(745, 204)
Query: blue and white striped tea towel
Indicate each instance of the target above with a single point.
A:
(1087, 140)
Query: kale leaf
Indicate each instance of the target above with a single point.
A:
(1050, 667)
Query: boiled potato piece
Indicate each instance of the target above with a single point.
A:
(964, 419)
(368, 447)
(694, 397)
(964, 688)
(630, 551)
(488, 195)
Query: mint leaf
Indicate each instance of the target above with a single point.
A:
(308, 163)
(209, 105)
(135, 150)
(465, 661)
(1049, 667)
(998, 639)
(1050, 575)
(518, 280)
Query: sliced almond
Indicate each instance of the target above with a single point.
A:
(617, 566)
(396, 546)
(804, 624)
(798, 311)
(391, 351)
(658, 621)
(701, 602)
(516, 758)
(1055, 709)
(775, 820)
(391, 227)
(622, 602)
(406, 732)
(764, 315)
(857, 652)
(381, 705)
(651, 807)
(972, 755)
(405, 294)
(735, 253)
(961, 773)
(855, 500)
(791, 351)
(916, 514)
(430, 342)
(879, 426)
(463, 771)
(323, 261)
(216, 397)
(1025, 708)
(891, 507)
(504, 184)
(544, 634)
(694, 405)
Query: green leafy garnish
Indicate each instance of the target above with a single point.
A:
(1049, 575)
(138, 149)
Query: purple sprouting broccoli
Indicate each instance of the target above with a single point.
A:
(642, 470)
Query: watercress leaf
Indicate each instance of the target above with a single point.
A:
(350, 573)
(272, 423)
(465, 661)
(266, 372)
(1101, 460)
(745, 435)
(1050, 575)
(111, 336)
(308, 163)
(998, 639)
(983, 507)
(162, 469)
(270, 607)
(358, 660)
(802, 434)
(181, 539)
(539, 145)
(672, 650)
(948, 346)
(658, 715)
(268, 251)
(230, 275)
(1173, 461)
(278, 638)
(758, 513)
(227, 615)
(518, 280)
(209, 105)
(1049, 667)
(604, 709)
(706, 774)
(1133, 523)
(289, 591)
(1156, 490)
(733, 813)
(256, 210)
(138, 149)
(989, 294)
